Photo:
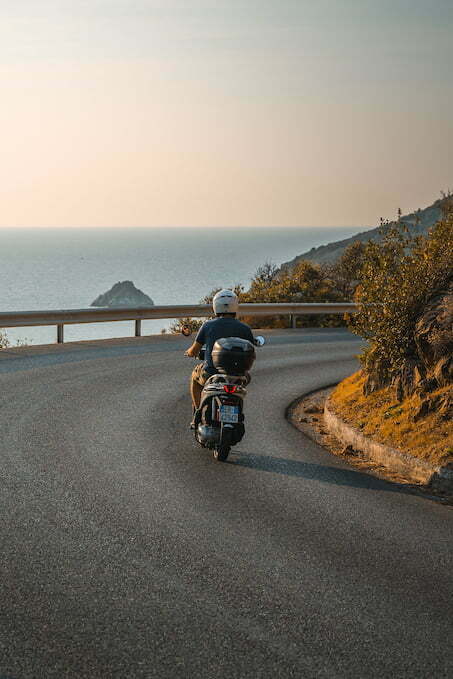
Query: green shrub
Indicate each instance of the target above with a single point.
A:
(194, 324)
(4, 341)
(346, 271)
(305, 282)
(397, 278)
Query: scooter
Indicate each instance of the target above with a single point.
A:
(219, 421)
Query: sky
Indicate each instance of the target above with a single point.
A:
(223, 112)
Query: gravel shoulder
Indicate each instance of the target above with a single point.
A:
(306, 414)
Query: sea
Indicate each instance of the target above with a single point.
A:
(68, 268)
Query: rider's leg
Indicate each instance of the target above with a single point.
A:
(195, 392)
(196, 387)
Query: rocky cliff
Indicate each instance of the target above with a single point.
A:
(418, 222)
(123, 294)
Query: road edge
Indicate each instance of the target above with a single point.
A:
(435, 476)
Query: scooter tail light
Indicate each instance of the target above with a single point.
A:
(229, 388)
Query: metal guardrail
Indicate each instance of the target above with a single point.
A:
(60, 318)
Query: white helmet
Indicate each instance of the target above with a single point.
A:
(225, 302)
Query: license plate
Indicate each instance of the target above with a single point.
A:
(229, 414)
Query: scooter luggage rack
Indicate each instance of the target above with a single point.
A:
(227, 379)
(217, 381)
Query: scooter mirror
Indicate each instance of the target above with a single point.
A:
(259, 341)
(186, 331)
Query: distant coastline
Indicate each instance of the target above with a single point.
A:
(68, 268)
(418, 222)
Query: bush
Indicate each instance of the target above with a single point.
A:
(346, 271)
(4, 341)
(194, 324)
(305, 282)
(398, 277)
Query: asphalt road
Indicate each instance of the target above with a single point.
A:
(127, 552)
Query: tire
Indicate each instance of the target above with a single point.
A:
(221, 453)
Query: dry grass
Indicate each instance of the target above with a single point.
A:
(381, 417)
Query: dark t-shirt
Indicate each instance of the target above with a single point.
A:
(224, 326)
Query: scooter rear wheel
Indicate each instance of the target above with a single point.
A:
(221, 453)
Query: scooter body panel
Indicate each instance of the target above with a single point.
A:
(221, 390)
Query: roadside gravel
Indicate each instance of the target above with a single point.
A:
(306, 414)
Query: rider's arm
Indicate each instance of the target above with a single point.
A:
(251, 337)
(200, 339)
(194, 350)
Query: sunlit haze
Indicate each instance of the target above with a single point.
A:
(223, 112)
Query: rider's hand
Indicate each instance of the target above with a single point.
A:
(194, 350)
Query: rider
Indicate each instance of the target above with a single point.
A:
(225, 305)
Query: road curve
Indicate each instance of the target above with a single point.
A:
(127, 552)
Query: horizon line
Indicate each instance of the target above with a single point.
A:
(211, 226)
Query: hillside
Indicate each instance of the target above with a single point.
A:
(418, 222)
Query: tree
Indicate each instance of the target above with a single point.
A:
(347, 270)
(193, 324)
(305, 282)
(398, 277)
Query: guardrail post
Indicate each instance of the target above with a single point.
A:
(293, 321)
(138, 327)
(60, 333)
